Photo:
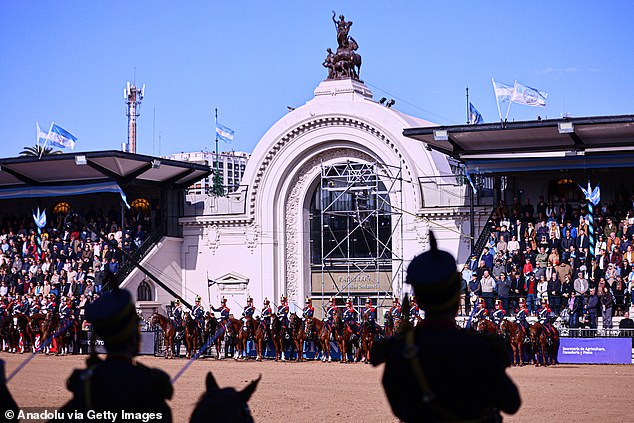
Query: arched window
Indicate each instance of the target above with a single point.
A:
(144, 292)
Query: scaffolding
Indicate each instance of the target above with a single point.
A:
(360, 254)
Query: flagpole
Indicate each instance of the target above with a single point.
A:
(468, 117)
(46, 141)
(496, 99)
(511, 100)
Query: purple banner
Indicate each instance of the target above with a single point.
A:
(595, 350)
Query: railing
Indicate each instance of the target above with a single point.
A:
(128, 264)
(484, 235)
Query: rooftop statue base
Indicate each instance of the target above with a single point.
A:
(349, 88)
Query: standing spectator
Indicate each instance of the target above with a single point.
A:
(542, 289)
(563, 270)
(591, 305)
(516, 290)
(554, 293)
(607, 304)
(581, 284)
(487, 283)
(575, 306)
(530, 286)
(513, 245)
(618, 288)
(504, 290)
(474, 289)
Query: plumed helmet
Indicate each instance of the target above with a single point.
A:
(283, 298)
(395, 299)
(349, 300)
(308, 300)
(435, 279)
(266, 301)
(368, 301)
(177, 302)
(249, 300)
(481, 301)
(197, 299)
(522, 300)
(223, 300)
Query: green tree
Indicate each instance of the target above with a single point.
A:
(38, 150)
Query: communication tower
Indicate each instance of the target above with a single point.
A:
(133, 97)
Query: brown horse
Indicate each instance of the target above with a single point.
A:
(279, 337)
(392, 324)
(366, 340)
(514, 335)
(545, 344)
(193, 336)
(322, 337)
(298, 334)
(168, 329)
(486, 327)
(36, 328)
(259, 335)
(211, 328)
(343, 336)
(62, 330)
(238, 336)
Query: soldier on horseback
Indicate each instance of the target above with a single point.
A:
(198, 313)
(546, 317)
(66, 311)
(350, 317)
(369, 316)
(309, 310)
(224, 312)
(247, 317)
(282, 312)
(395, 311)
(522, 314)
(481, 310)
(414, 310)
(499, 313)
(267, 313)
(177, 315)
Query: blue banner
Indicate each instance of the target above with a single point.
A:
(595, 350)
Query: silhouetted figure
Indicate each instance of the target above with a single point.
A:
(430, 369)
(118, 383)
(224, 405)
(6, 400)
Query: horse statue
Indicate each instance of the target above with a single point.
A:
(514, 335)
(223, 405)
(169, 331)
(321, 338)
(298, 334)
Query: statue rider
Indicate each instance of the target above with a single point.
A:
(343, 28)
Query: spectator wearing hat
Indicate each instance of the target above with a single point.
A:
(118, 382)
(413, 374)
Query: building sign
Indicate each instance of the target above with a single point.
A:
(595, 350)
(334, 282)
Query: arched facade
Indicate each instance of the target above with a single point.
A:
(268, 243)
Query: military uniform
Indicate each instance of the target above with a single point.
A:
(330, 313)
(198, 313)
(435, 384)
(309, 310)
(499, 313)
(224, 312)
(118, 383)
(282, 312)
(350, 316)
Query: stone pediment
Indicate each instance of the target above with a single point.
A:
(232, 278)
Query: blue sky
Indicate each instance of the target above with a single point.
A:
(68, 62)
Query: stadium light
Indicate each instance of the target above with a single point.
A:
(565, 127)
(80, 160)
(441, 135)
(156, 163)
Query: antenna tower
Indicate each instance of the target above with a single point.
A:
(133, 97)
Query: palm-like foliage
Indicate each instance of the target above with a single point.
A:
(38, 150)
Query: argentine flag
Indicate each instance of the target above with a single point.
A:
(42, 137)
(503, 92)
(60, 137)
(523, 94)
(224, 133)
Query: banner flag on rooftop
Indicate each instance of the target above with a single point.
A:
(503, 92)
(474, 116)
(60, 137)
(42, 137)
(224, 133)
(523, 94)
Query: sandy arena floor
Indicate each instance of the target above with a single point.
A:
(299, 392)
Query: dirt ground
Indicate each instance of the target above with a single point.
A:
(320, 392)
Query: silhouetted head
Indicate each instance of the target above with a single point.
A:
(224, 404)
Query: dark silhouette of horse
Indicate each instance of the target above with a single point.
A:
(20, 322)
(514, 335)
(168, 329)
(223, 405)
(321, 333)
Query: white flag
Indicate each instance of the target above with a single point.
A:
(523, 94)
(503, 92)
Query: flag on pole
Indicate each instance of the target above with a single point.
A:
(224, 133)
(60, 137)
(474, 116)
(503, 92)
(523, 94)
(42, 137)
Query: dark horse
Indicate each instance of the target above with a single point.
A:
(369, 332)
(486, 326)
(298, 335)
(36, 328)
(259, 336)
(20, 323)
(62, 330)
(545, 345)
(514, 335)
(321, 337)
(345, 337)
(211, 328)
(168, 329)
(279, 335)
(224, 405)
(392, 325)
(193, 337)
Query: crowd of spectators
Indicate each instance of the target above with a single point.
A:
(64, 265)
(542, 251)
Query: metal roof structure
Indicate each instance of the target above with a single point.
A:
(541, 145)
(98, 166)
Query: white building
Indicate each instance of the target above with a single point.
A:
(231, 165)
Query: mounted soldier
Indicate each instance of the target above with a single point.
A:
(369, 317)
(395, 310)
(350, 317)
(247, 317)
(224, 312)
(414, 311)
(331, 312)
(198, 313)
(433, 384)
(546, 317)
(308, 311)
(266, 314)
(522, 314)
(282, 312)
